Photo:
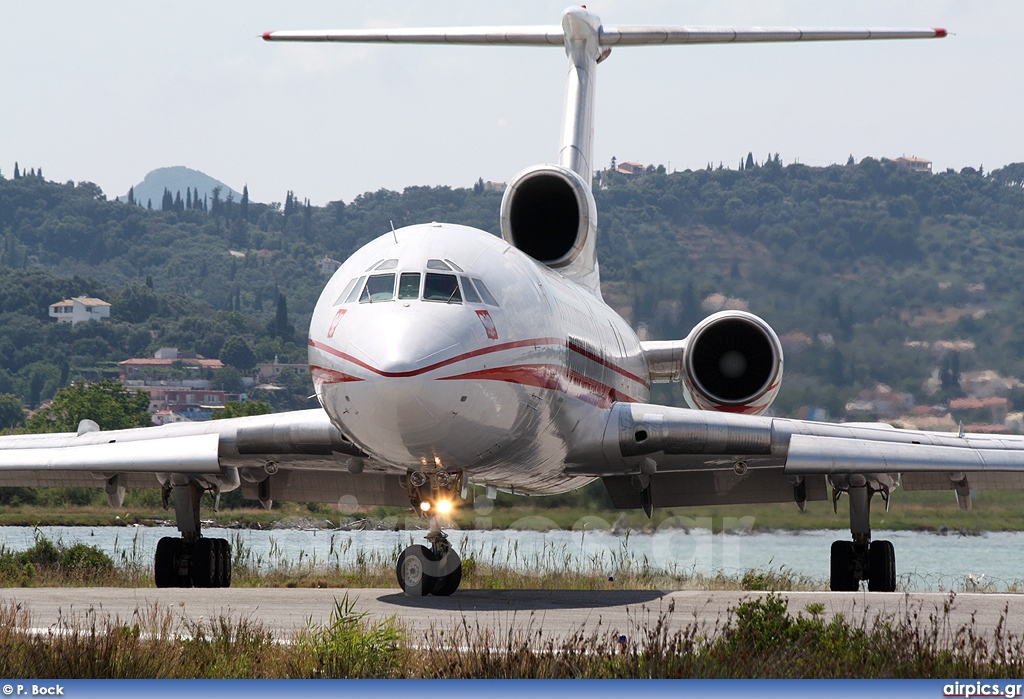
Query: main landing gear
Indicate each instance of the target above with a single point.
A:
(437, 569)
(190, 560)
(862, 558)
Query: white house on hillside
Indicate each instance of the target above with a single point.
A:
(80, 309)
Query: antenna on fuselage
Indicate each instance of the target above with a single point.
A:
(393, 231)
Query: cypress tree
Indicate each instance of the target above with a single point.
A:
(282, 316)
(188, 198)
(131, 194)
(17, 173)
(243, 206)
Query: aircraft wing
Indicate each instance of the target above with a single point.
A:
(695, 457)
(296, 455)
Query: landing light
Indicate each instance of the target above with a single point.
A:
(444, 506)
(424, 506)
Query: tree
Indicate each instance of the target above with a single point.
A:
(228, 379)
(279, 325)
(17, 173)
(750, 164)
(243, 206)
(12, 412)
(131, 194)
(241, 409)
(136, 302)
(108, 403)
(236, 352)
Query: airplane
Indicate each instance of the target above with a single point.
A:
(444, 357)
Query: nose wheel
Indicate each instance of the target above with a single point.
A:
(435, 569)
(423, 571)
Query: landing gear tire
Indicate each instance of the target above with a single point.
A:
(882, 567)
(204, 564)
(222, 550)
(167, 563)
(412, 570)
(449, 581)
(207, 563)
(842, 577)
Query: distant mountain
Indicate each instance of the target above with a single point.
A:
(177, 179)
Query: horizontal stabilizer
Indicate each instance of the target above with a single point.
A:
(607, 36)
(195, 454)
(512, 36)
(836, 455)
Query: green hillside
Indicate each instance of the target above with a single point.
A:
(860, 259)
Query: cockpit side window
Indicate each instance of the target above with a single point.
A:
(387, 264)
(409, 286)
(379, 287)
(357, 286)
(453, 265)
(438, 264)
(468, 291)
(345, 292)
(485, 293)
(441, 287)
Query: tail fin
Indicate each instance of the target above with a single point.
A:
(587, 42)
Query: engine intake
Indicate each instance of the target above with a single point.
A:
(733, 363)
(548, 212)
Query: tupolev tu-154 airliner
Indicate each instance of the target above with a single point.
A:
(444, 357)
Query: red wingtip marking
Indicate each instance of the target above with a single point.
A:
(940, 32)
(266, 36)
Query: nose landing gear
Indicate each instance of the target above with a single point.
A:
(437, 569)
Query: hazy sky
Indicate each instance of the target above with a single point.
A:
(109, 91)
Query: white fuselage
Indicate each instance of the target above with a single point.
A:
(495, 391)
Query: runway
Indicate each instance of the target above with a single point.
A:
(555, 613)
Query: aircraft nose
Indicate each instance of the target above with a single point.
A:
(402, 349)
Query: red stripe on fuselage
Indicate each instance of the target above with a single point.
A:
(416, 372)
(330, 375)
(543, 341)
(605, 363)
(551, 377)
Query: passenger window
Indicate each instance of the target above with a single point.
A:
(356, 288)
(379, 287)
(485, 294)
(438, 264)
(469, 291)
(345, 292)
(387, 264)
(441, 287)
(409, 286)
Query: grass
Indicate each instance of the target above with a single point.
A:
(553, 567)
(759, 638)
(927, 510)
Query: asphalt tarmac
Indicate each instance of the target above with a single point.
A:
(554, 613)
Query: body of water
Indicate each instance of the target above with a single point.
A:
(925, 561)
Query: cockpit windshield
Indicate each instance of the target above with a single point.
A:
(447, 288)
(441, 287)
(379, 287)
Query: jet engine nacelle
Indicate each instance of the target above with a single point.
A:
(549, 213)
(732, 362)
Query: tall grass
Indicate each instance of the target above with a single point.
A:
(758, 638)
